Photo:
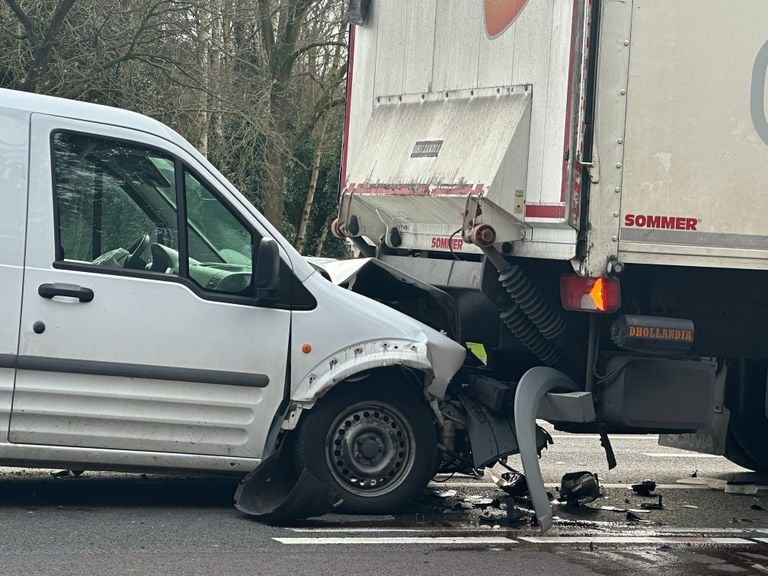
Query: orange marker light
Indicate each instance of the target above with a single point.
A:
(306, 348)
(598, 294)
(583, 294)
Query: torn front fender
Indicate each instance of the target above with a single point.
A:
(273, 493)
(439, 358)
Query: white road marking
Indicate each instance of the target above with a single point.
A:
(761, 540)
(596, 437)
(360, 530)
(679, 455)
(469, 540)
(690, 532)
(641, 540)
(705, 531)
(476, 484)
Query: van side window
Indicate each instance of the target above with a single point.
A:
(220, 247)
(117, 208)
(112, 202)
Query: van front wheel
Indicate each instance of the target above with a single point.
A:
(374, 443)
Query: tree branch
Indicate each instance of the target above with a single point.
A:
(24, 19)
(306, 48)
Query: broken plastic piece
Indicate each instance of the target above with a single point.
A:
(272, 493)
(644, 488)
(447, 494)
(513, 483)
(492, 516)
(632, 517)
(615, 509)
(653, 505)
(610, 456)
(492, 434)
(478, 501)
(579, 488)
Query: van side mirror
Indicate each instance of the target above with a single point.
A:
(266, 268)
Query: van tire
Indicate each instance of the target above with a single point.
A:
(373, 441)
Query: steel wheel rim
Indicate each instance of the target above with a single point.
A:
(370, 448)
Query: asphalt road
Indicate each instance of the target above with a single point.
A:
(107, 523)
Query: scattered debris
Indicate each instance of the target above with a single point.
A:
(61, 473)
(513, 483)
(516, 515)
(695, 474)
(632, 517)
(644, 488)
(691, 506)
(478, 501)
(653, 505)
(447, 494)
(492, 516)
(579, 488)
(756, 507)
(623, 510)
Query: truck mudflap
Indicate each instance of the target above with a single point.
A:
(273, 493)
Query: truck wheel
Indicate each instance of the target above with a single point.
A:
(748, 427)
(374, 443)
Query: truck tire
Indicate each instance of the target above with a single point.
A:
(748, 427)
(374, 442)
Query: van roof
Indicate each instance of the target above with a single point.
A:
(40, 104)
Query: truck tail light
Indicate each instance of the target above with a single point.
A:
(589, 294)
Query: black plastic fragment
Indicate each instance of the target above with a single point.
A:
(272, 493)
(492, 434)
(653, 505)
(644, 488)
(579, 488)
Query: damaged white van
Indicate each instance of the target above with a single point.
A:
(152, 319)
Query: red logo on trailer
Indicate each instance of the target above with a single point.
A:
(660, 222)
(499, 14)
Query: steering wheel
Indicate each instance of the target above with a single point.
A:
(135, 250)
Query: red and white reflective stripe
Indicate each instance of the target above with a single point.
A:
(347, 110)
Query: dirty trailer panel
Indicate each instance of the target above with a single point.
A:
(450, 99)
(696, 158)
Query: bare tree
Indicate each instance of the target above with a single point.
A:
(41, 35)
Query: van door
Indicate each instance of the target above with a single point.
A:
(13, 219)
(140, 329)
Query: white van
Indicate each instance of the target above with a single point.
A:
(152, 319)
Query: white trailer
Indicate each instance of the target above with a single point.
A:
(537, 159)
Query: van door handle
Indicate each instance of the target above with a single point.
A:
(69, 290)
